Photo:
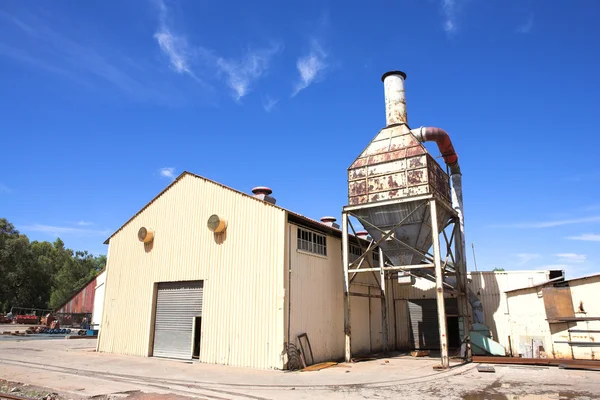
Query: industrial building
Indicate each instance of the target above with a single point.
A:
(555, 319)
(226, 277)
(85, 305)
(207, 272)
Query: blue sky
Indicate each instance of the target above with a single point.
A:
(103, 103)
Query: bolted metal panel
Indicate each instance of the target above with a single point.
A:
(177, 303)
(395, 165)
(424, 331)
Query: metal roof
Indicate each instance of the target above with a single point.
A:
(292, 216)
(555, 280)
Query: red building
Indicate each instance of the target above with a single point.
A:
(81, 302)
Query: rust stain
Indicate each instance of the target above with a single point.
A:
(414, 151)
(358, 188)
(358, 173)
(391, 182)
(415, 177)
(416, 162)
(359, 162)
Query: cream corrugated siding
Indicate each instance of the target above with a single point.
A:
(317, 298)
(242, 322)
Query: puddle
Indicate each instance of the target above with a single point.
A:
(543, 396)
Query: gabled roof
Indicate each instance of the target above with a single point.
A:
(292, 216)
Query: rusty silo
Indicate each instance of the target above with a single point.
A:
(404, 199)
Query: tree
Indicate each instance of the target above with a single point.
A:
(498, 269)
(40, 274)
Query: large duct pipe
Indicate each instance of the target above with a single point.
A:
(441, 137)
(395, 98)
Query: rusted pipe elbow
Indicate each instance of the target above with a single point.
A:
(441, 137)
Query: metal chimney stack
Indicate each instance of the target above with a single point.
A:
(395, 97)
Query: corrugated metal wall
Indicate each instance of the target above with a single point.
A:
(527, 321)
(82, 302)
(316, 297)
(490, 287)
(317, 303)
(242, 270)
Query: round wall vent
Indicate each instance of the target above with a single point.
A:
(145, 235)
(216, 224)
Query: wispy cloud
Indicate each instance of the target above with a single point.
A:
(85, 223)
(524, 258)
(527, 26)
(311, 67)
(173, 45)
(549, 224)
(588, 237)
(450, 10)
(269, 103)
(571, 257)
(58, 230)
(186, 58)
(5, 189)
(241, 74)
(168, 172)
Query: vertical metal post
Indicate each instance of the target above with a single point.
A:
(345, 262)
(464, 315)
(384, 322)
(439, 284)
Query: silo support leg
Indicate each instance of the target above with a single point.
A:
(439, 284)
(345, 262)
(384, 322)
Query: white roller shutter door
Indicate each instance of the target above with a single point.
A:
(177, 303)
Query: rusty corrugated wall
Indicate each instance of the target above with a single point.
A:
(82, 301)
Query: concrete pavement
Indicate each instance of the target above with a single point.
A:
(73, 368)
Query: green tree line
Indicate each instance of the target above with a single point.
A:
(40, 274)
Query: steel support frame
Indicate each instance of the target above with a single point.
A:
(433, 261)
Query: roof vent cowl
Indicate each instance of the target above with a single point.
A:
(330, 221)
(264, 193)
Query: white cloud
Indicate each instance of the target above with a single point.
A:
(57, 230)
(571, 257)
(241, 74)
(527, 26)
(4, 189)
(589, 237)
(311, 67)
(84, 223)
(269, 103)
(174, 46)
(449, 9)
(524, 258)
(167, 172)
(549, 224)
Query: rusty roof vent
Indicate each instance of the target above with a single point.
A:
(330, 221)
(264, 193)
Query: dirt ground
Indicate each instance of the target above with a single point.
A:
(73, 370)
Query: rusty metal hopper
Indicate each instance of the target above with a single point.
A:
(395, 166)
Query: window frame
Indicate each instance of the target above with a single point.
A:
(311, 242)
